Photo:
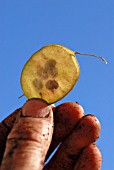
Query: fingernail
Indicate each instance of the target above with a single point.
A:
(37, 108)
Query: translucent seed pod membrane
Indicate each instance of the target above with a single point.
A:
(50, 73)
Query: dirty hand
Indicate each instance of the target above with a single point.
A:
(27, 138)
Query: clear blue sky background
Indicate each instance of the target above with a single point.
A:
(82, 25)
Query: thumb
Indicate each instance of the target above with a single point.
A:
(30, 138)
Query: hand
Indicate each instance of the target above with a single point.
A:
(26, 135)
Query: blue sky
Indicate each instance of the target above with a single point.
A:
(84, 26)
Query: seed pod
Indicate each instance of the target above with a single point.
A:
(50, 73)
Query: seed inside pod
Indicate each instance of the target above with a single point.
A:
(50, 67)
(52, 84)
(37, 84)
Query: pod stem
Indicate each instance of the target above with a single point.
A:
(92, 56)
(21, 96)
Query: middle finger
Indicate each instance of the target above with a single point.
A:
(85, 133)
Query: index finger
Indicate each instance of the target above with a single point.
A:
(66, 117)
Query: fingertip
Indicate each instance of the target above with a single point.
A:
(92, 126)
(36, 108)
(89, 159)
